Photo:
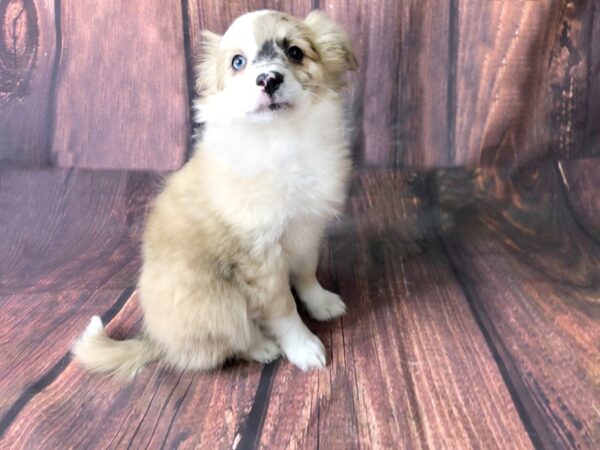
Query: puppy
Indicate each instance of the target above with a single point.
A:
(243, 218)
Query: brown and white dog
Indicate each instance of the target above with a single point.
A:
(244, 217)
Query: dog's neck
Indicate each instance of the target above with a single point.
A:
(253, 147)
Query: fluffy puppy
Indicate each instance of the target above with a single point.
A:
(243, 218)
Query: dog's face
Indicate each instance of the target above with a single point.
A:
(270, 65)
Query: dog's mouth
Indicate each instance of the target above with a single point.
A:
(274, 106)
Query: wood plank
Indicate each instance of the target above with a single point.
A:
(121, 97)
(504, 49)
(28, 40)
(592, 142)
(397, 124)
(404, 364)
(216, 16)
(36, 332)
(70, 247)
(158, 408)
(399, 94)
(533, 280)
(409, 366)
(59, 228)
(571, 81)
(582, 188)
(373, 99)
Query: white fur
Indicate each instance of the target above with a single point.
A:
(300, 161)
(246, 214)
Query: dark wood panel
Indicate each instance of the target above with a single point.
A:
(216, 16)
(59, 227)
(581, 183)
(501, 79)
(373, 99)
(405, 358)
(592, 143)
(36, 332)
(403, 362)
(533, 280)
(395, 43)
(69, 249)
(121, 97)
(157, 408)
(572, 84)
(523, 84)
(28, 40)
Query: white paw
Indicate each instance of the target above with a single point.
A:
(264, 351)
(305, 351)
(325, 305)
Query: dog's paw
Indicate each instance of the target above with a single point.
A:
(306, 352)
(324, 305)
(264, 351)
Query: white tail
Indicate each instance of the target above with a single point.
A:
(97, 352)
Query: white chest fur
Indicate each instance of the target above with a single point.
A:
(292, 169)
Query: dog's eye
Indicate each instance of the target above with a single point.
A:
(295, 54)
(238, 62)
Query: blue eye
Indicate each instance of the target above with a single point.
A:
(238, 62)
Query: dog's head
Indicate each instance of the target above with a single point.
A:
(269, 65)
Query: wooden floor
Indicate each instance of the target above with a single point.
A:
(473, 319)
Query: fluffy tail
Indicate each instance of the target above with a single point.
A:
(97, 352)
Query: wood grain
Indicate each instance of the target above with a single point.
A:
(399, 93)
(121, 97)
(571, 82)
(501, 95)
(158, 408)
(37, 331)
(415, 362)
(524, 81)
(405, 358)
(28, 40)
(582, 189)
(216, 16)
(592, 122)
(532, 278)
(59, 227)
(70, 247)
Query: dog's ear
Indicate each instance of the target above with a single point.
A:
(209, 78)
(333, 45)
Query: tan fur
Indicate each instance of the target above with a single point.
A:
(209, 68)
(220, 244)
(99, 353)
(334, 47)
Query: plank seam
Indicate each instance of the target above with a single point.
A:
(251, 429)
(52, 91)
(571, 209)
(502, 366)
(451, 105)
(56, 370)
(189, 69)
(514, 384)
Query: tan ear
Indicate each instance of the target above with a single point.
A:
(208, 74)
(333, 44)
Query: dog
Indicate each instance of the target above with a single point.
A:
(243, 219)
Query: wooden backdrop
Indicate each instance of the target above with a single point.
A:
(107, 83)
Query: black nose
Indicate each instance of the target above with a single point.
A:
(269, 81)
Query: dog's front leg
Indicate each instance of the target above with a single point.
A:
(279, 318)
(301, 244)
(298, 344)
